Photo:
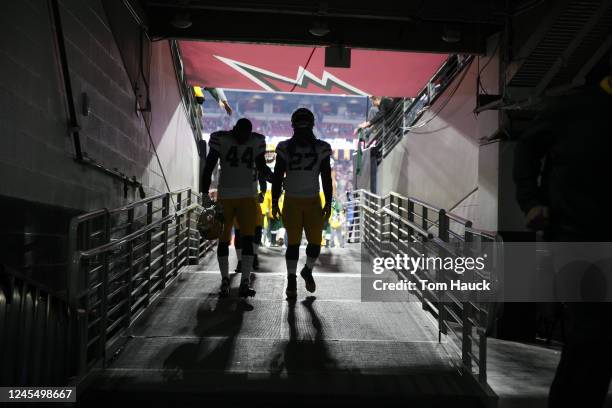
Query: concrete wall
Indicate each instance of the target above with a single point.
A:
(36, 150)
(363, 180)
(439, 162)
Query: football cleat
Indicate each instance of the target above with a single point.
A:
(245, 290)
(306, 274)
(224, 291)
(291, 290)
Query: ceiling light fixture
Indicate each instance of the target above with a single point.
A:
(319, 28)
(450, 35)
(181, 20)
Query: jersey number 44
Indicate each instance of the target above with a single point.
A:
(235, 159)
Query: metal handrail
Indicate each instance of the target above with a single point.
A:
(397, 123)
(116, 243)
(137, 203)
(417, 201)
(385, 210)
(387, 217)
(39, 314)
(415, 227)
(15, 274)
(120, 262)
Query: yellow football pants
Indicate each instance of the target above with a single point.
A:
(244, 210)
(303, 214)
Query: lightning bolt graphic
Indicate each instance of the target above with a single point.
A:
(303, 78)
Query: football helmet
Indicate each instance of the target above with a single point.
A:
(210, 221)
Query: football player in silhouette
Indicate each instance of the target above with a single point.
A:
(301, 160)
(239, 151)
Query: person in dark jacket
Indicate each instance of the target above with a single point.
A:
(562, 173)
(385, 106)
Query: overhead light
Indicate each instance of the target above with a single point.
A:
(451, 35)
(319, 28)
(181, 20)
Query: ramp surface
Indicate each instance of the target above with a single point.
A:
(192, 346)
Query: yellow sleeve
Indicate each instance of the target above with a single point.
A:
(267, 204)
(263, 206)
(322, 196)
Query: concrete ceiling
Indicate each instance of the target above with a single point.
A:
(385, 25)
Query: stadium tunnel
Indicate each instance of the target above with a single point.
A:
(105, 282)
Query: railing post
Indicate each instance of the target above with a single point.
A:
(468, 236)
(165, 213)
(74, 278)
(104, 300)
(353, 227)
(188, 228)
(481, 318)
(148, 238)
(482, 353)
(410, 215)
(381, 221)
(404, 110)
(442, 329)
(400, 211)
(466, 336)
(371, 225)
(425, 214)
(443, 225)
(392, 221)
(358, 212)
(398, 222)
(130, 248)
(383, 136)
(82, 340)
(177, 235)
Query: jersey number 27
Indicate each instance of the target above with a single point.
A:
(295, 161)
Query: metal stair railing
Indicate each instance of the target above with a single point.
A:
(120, 262)
(397, 123)
(36, 333)
(395, 224)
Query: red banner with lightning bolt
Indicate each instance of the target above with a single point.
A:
(278, 68)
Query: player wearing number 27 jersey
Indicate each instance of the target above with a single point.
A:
(239, 152)
(300, 161)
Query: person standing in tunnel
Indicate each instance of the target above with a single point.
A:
(568, 199)
(302, 159)
(239, 151)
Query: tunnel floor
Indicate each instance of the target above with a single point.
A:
(192, 346)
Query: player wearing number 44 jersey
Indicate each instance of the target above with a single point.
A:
(302, 159)
(239, 151)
